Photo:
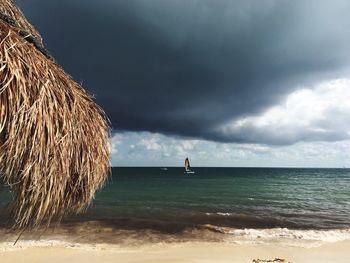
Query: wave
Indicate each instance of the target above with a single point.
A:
(291, 221)
(208, 227)
(177, 222)
(281, 236)
(287, 237)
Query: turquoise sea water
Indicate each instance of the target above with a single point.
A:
(226, 197)
(236, 198)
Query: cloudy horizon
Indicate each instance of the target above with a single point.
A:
(305, 112)
(227, 83)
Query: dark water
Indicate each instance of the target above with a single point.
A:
(226, 197)
(151, 198)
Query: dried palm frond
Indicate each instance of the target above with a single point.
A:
(54, 151)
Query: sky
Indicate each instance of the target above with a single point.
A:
(226, 83)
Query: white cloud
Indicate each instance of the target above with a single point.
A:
(318, 114)
(153, 149)
(114, 141)
(150, 143)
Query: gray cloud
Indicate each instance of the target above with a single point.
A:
(187, 67)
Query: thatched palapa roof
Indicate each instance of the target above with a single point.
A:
(54, 151)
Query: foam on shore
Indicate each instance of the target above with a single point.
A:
(287, 237)
(281, 236)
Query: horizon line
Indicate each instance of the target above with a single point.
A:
(269, 167)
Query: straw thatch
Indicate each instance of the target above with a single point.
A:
(54, 151)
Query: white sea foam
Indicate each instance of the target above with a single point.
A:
(224, 214)
(220, 214)
(288, 237)
(281, 236)
(25, 244)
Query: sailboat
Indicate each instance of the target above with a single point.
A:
(188, 167)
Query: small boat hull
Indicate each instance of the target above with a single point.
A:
(188, 167)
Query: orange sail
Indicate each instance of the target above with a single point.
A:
(187, 164)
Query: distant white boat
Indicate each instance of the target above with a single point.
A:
(164, 169)
(188, 167)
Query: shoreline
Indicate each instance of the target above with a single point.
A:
(92, 233)
(191, 252)
(144, 246)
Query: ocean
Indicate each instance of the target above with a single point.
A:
(232, 204)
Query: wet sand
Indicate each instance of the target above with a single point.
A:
(192, 252)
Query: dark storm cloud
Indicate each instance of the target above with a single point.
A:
(187, 67)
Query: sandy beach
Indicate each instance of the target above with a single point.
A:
(180, 252)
